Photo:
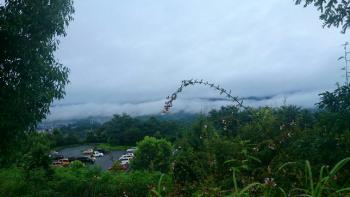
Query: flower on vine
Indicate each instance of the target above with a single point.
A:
(270, 182)
(272, 146)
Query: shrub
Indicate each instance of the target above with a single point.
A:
(152, 154)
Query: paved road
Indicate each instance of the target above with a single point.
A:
(104, 162)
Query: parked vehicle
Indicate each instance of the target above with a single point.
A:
(125, 161)
(57, 164)
(101, 150)
(97, 154)
(131, 150)
(89, 151)
(65, 161)
(125, 157)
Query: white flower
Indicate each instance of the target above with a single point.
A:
(270, 182)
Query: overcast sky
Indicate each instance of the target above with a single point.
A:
(127, 56)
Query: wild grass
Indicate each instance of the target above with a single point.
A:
(322, 185)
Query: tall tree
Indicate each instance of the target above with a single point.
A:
(30, 76)
(333, 12)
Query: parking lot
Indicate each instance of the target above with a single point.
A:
(104, 162)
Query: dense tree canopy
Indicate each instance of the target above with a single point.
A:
(336, 107)
(30, 76)
(336, 101)
(126, 130)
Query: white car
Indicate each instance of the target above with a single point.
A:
(124, 161)
(130, 154)
(131, 150)
(97, 154)
(125, 157)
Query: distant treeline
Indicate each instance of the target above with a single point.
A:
(122, 129)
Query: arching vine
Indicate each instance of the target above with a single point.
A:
(170, 99)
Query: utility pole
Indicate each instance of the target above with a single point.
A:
(345, 57)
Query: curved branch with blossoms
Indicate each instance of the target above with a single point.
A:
(170, 99)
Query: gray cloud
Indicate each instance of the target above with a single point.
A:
(189, 105)
(126, 52)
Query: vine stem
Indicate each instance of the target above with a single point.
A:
(170, 99)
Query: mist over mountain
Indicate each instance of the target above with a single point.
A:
(186, 104)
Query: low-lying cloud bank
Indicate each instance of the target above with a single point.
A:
(189, 105)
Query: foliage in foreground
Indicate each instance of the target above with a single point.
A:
(333, 13)
(78, 180)
(30, 76)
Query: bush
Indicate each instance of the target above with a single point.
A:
(152, 154)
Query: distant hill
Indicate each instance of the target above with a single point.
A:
(178, 117)
(44, 125)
